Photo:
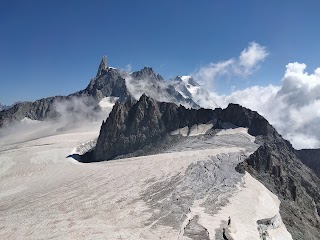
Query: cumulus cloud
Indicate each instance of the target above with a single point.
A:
(244, 65)
(292, 108)
(252, 56)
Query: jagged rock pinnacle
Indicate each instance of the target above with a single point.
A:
(103, 66)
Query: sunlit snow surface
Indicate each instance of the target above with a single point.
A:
(47, 195)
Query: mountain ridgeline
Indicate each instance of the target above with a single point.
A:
(133, 125)
(109, 82)
(150, 108)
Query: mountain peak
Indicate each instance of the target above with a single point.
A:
(103, 66)
(147, 73)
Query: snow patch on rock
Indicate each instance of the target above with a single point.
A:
(239, 130)
(195, 130)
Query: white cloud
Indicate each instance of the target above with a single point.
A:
(244, 65)
(207, 74)
(252, 56)
(292, 108)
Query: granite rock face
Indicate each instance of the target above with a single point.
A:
(146, 81)
(132, 125)
(109, 82)
(147, 73)
(276, 165)
(38, 110)
(103, 67)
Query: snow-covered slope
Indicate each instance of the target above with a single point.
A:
(146, 81)
(187, 192)
(189, 88)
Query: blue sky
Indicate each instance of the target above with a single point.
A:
(54, 47)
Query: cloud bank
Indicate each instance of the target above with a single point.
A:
(292, 108)
(74, 114)
(248, 61)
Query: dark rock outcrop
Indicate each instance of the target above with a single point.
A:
(132, 125)
(38, 110)
(103, 67)
(109, 82)
(195, 231)
(153, 85)
(276, 166)
(147, 73)
(311, 158)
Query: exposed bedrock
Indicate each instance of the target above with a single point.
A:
(109, 82)
(277, 167)
(132, 125)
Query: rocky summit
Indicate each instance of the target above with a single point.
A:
(109, 82)
(138, 126)
(171, 165)
(134, 124)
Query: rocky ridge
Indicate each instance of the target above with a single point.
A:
(132, 125)
(190, 89)
(135, 124)
(109, 82)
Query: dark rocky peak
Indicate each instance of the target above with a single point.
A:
(147, 119)
(137, 124)
(133, 125)
(276, 166)
(103, 67)
(146, 73)
(110, 83)
(244, 117)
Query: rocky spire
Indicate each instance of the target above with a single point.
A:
(103, 66)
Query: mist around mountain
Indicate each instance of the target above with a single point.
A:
(143, 127)
(114, 83)
(210, 163)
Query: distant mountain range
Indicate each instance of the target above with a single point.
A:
(111, 82)
(144, 127)
(149, 108)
